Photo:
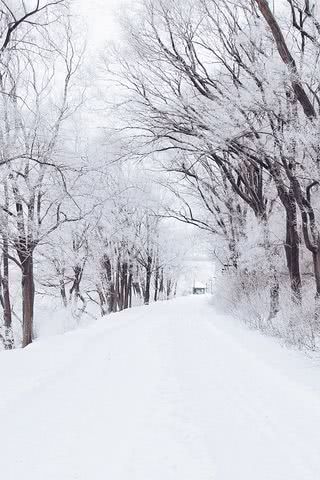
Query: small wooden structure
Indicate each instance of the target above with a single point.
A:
(199, 288)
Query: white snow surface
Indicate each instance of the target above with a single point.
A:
(173, 391)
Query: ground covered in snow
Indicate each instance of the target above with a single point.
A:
(172, 391)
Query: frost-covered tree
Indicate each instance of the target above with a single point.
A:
(226, 97)
(35, 100)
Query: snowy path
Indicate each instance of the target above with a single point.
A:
(164, 392)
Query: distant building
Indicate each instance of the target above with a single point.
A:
(199, 288)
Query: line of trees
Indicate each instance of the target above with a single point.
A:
(119, 256)
(225, 96)
(63, 230)
(221, 96)
(36, 74)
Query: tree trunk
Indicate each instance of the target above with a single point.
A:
(312, 243)
(8, 334)
(148, 280)
(156, 285)
(112, 298)
(128, 288)
(109, 277)
(161, 284)
(103, 302)
(75, 289)
(292, 246)
(316, 266)
(117, 302)
(7, 316)
(27, 299)
(274, 287)
(292, 249)
(63, 292)
(137, 289)
(124, 286)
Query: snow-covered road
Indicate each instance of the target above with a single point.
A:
(166, 392)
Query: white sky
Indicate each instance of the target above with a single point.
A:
(101, 18)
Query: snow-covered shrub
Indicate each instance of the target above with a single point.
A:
(246, 296)
(296, 322)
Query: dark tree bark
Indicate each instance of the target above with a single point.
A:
(310, 231)
(156, 284)
(161, 284)
(128, 288)
(124, 286)
(6, 301)
(117, 303)
(5, 286)
(7, 336)
(130, 291)
(75, 289)
(27, 299)
(148, 268)
(175, 289)
(292, 250)
(169, 288)
(316, 267)
(108, 278)
(292, 245)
